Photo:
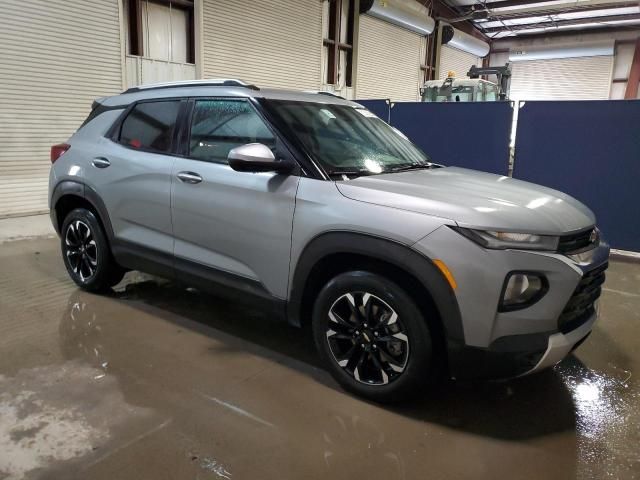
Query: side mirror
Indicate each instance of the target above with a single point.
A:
(256, 157)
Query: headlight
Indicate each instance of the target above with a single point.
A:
(504, 240)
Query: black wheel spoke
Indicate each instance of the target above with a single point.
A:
(378, 365)
(337, 319)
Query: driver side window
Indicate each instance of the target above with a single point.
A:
(221, 125)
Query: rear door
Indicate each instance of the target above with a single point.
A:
(132, 175)
(232, 222)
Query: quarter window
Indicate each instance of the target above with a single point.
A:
(150, 126)
(220, 125)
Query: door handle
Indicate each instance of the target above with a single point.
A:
(100, 162)
(189, 177)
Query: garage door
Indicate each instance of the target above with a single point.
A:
(457, 61)
(56, 58)
(578, 78)
(388, 61)
(270, 43)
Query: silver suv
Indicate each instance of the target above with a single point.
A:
(315, 209)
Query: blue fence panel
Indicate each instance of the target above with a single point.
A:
(590, 150)
(379, 107)
(465, 134)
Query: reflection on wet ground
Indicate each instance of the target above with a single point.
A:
(159, 381)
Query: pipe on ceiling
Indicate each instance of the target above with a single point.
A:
(407, 14)
(463, 41)
(585, 49)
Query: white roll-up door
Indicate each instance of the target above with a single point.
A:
(576, 78)
(388, 61)
(56, 57)
(457, 61)
(270, 43)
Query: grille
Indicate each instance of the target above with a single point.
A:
(577, 242)
(580, 306)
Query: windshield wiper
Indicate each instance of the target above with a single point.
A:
(351, 173)
(413, 166)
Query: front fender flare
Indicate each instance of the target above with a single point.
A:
(381, 249)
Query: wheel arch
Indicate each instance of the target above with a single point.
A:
(68, 195)
(335, 252)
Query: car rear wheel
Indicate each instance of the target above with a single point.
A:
(373, 337)
(86, 252)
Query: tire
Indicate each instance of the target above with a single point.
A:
(373, 338)
(86, 253)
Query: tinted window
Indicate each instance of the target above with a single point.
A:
(150, 126)
(220, 125)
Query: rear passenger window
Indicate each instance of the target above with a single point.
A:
(220, 125)
(149, 126)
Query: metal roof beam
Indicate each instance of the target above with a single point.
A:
(560, 8)
(562, 23)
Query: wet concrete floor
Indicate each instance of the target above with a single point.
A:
(156, 381)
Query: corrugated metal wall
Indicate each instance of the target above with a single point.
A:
(56, 57)
(583, 78)
(454, 60)
(388, 61)
(270, 43)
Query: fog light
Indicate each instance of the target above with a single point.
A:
(522, 290)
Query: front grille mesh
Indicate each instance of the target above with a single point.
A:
(581, 304)
(577, 242)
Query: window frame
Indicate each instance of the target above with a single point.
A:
(115, 132)
(334, 46)
(135, 45)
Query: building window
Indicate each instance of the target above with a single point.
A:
(161, 29)
(338, 42)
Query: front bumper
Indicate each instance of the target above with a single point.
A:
(562, 344)
(499, 344)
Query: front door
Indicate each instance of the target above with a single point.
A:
(236, 223)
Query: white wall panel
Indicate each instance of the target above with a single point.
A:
(454, 60)
(270, 43)
(56, 58)
(583, 78)
(388, 61)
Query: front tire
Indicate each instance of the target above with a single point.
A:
(373, 337)
(86, 252)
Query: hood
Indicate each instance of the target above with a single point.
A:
(474, 199)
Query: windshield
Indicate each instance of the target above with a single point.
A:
(347, 140)
(448, 94)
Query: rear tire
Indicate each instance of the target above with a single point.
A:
(86, 253)
(373, 337)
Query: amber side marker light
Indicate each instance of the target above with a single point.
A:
(447, 273)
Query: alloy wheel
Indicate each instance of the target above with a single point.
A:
(81, 250)
(367, 338)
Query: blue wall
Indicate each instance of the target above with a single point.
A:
(590, 150)
(465, 134)
(379, 107)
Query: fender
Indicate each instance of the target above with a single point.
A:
(385, 250)
(79, 189)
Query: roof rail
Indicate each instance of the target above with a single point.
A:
(319, 92)
(211, 82)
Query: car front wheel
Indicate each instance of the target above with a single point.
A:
(373, 337)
